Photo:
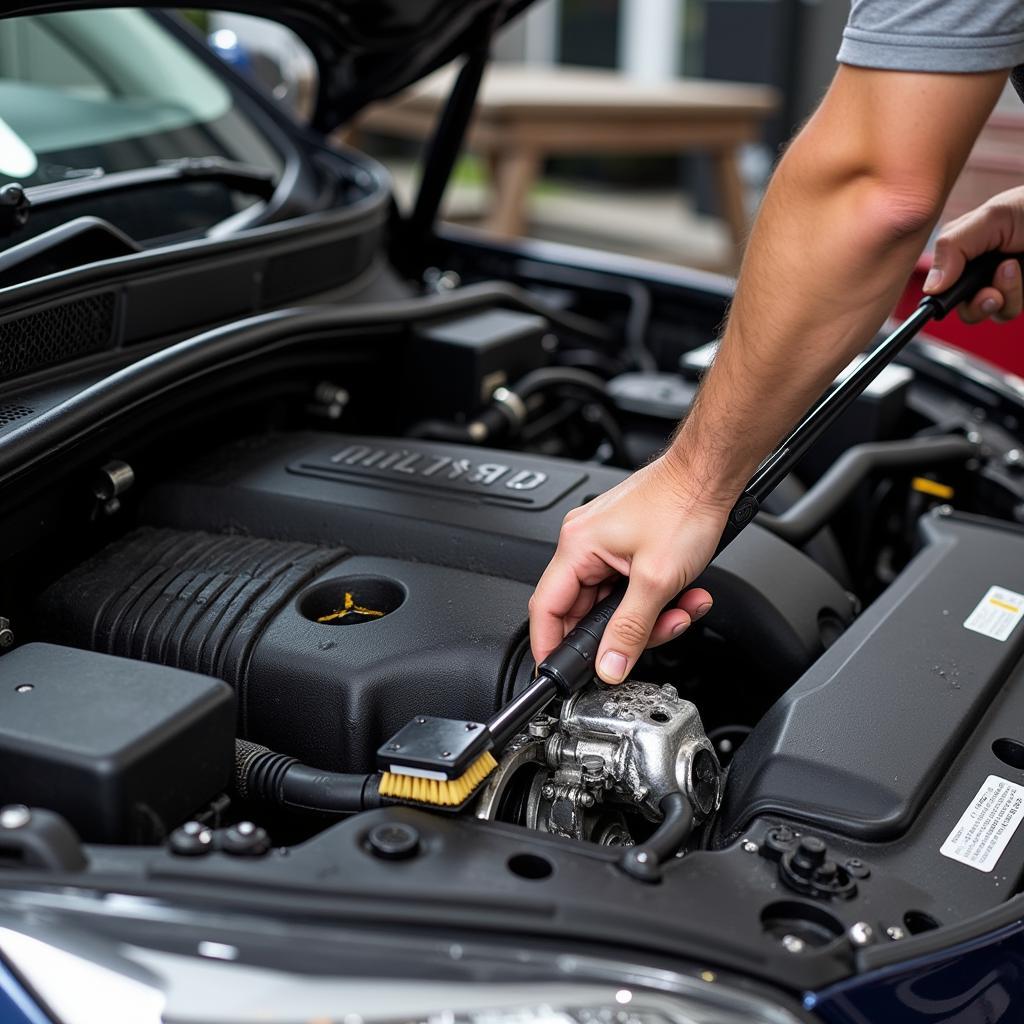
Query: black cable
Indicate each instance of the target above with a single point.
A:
(497, 418)
(638, 318)
(550, 376)
(263, 775)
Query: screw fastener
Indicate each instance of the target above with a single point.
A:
(860, 934)
(749, 846)
(895, 932)
(793, 944)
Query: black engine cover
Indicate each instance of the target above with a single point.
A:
(490, 512)
(447, 541)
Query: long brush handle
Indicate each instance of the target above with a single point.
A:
(571, 665)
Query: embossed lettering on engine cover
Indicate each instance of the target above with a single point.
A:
(493, 476)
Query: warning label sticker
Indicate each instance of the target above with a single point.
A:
(997, 613)
(988, 824)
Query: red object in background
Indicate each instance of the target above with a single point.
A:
(1001, 344)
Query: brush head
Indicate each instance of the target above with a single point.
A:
(441, 749)
(449, 794)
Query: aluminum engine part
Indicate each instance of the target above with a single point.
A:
(650, 743)
(568, 801)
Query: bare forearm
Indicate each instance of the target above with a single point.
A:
(840, 228)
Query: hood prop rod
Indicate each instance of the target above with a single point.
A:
(446, 143)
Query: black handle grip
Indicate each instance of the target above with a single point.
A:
(977, 274)
(571, 663)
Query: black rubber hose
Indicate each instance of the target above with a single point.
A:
(556, 376)
(644, 861)
(494, 421)
(263, 775)
(811, 512)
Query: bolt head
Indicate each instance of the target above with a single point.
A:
(14, 816)
(856, 868)
(749, 846)
(895, 932)
(861, 933)
(246, 828)
(547, 791)
(793, 944)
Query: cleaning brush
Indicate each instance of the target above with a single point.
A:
(439, 762)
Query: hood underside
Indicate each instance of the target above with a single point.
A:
(365, 49)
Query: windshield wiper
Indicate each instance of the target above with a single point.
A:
(257, 181)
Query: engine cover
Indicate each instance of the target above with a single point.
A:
(490, 512)
(332, 647)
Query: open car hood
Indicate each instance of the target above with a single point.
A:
(365, 49)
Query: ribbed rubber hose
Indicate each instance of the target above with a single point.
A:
(268, 777)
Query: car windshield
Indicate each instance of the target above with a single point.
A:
(100, 91)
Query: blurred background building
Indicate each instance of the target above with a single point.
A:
(664, 205)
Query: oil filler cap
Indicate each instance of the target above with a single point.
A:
(393, 841)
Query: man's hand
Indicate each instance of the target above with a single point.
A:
(998, 224)
(647, 528)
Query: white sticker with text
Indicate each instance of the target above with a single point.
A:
(988, 824)
(997, 613)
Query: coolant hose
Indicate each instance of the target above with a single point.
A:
(644, 861)
(261, 774)
(810, 513)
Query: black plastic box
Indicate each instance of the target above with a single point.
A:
(455, 366)
(124, 750)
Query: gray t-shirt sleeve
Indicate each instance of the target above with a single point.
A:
(934, 35)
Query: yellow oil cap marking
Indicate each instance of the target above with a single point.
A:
(350, 608)
(923, 485)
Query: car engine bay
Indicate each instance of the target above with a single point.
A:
(218, 613)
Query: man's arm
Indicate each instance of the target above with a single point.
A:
(847, 212)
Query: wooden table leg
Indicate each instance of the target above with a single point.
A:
(731, 196)
(514, 172)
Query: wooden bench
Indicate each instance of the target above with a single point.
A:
(525, 114)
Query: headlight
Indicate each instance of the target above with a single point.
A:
(85, 978)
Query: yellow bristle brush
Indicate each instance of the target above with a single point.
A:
(437, 762)
(440, 762)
